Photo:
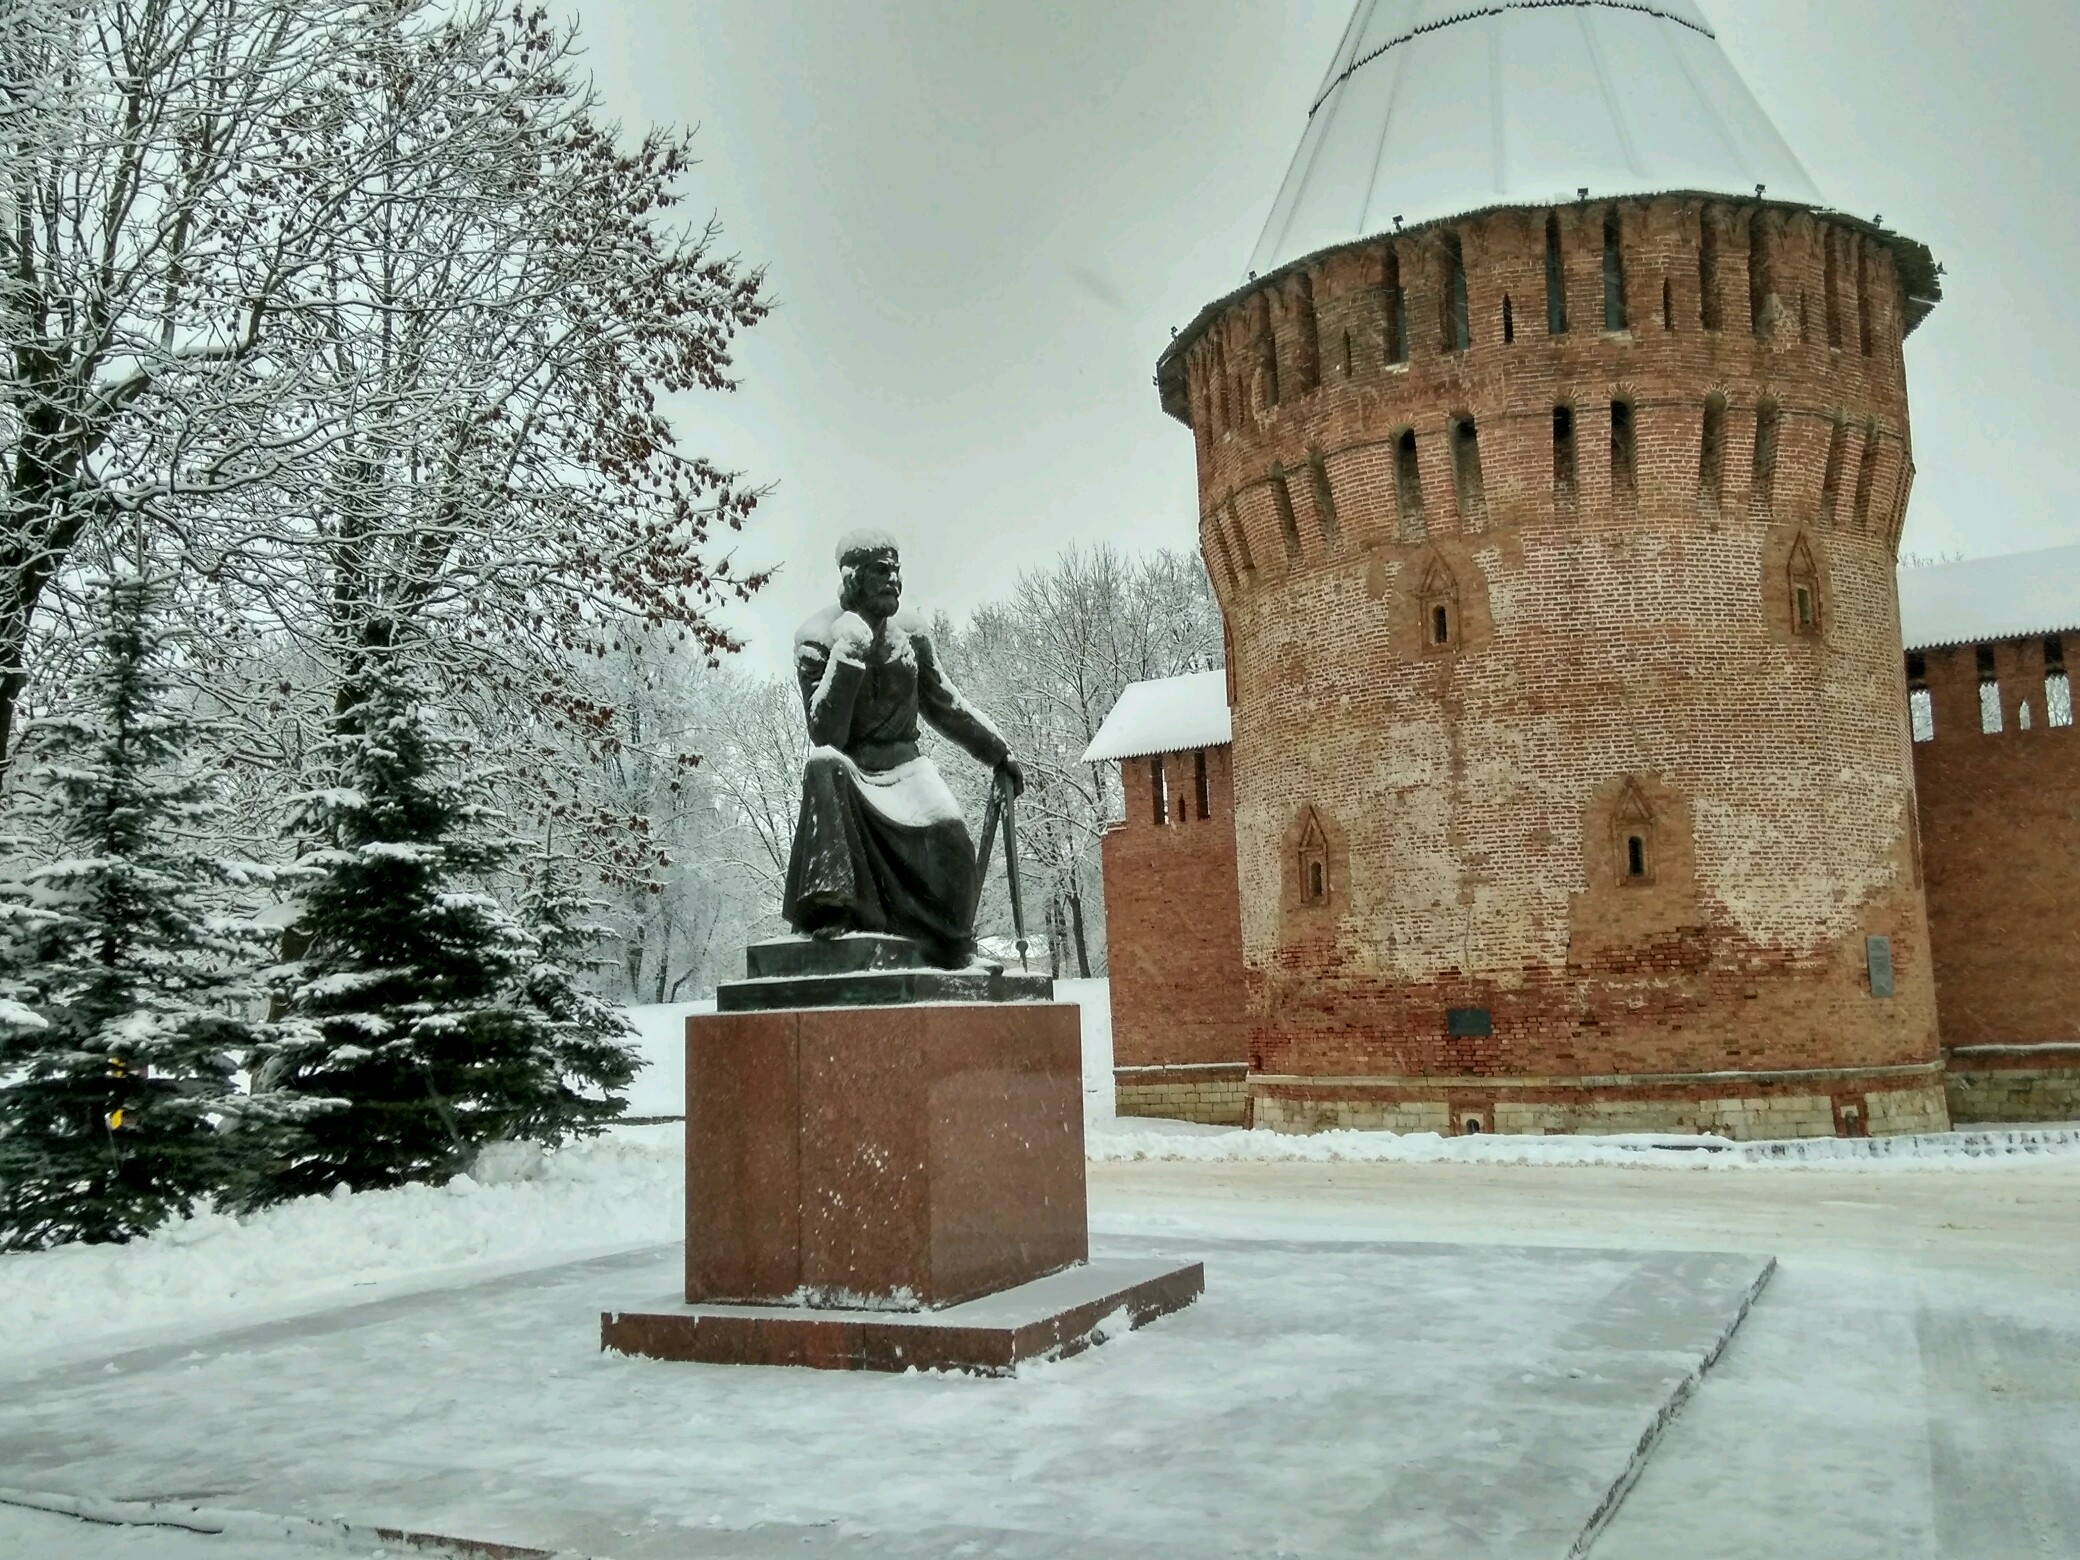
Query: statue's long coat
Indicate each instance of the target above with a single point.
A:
(880, 838)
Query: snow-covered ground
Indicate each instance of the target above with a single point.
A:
(622, 1191)
(613, 1193)
(1905, 1387)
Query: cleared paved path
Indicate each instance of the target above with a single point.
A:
(1908, 1386)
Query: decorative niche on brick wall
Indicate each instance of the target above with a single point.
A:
(1797, 592)
(1312, 877)
(1632, 837)
(1438, 602)
(1640, 867)
(1802, 577)
(1442, 602)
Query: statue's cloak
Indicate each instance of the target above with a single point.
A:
(880, 843)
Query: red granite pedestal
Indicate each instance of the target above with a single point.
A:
(859, 1179)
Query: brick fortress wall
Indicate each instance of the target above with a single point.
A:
(1174, 941)
(1997, 767)
(1568, 691)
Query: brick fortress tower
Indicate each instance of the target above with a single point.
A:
(1552, 465)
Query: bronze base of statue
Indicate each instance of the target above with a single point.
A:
(864, 969)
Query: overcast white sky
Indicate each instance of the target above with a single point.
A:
(981, 218)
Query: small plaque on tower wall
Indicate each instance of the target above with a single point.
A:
(1879, 954)
(1468, 1023)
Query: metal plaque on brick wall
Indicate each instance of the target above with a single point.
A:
(1879, 952)
(1468, 1023)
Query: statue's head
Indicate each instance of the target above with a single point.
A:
(870, 574)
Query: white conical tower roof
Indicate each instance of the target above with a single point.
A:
(1437, 108)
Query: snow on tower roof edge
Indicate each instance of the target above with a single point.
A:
(1982, 600)
(1167, 715)
(1434, 111)
(1978, 601)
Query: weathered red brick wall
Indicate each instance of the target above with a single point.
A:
(2000, 840)
(1174, 945)
(1626, 658)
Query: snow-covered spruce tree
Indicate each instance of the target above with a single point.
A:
(402, 1005)
(586, 1041)
(118, 1105)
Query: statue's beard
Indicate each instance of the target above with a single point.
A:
(854, 597)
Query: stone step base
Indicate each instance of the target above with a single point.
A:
(1048, 1318)
(881, 988)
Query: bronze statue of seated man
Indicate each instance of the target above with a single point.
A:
(880, 844)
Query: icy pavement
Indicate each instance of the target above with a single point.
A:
(1907, 1388)
(1323, 1399)
(1904, 1389)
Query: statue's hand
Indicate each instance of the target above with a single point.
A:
(851, 637)
(1008, 770)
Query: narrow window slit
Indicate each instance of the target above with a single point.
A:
(1614, 314)
(1282, 500)
(1758, 275)
(1202, 788)
(1556, 280)
(1762, 490)
(1308, 331)
(1159, 791)
(1634, 825)
(1831, 277)
(1220, 550)
(1708, 273)
(2058, 692)
(1865, 299)
(1989, 693)
(1711, 455)
(1440, 606)
(1396, 301)
(1241, 533)
(1831, 476)
(1806, 619)
(1466, 471)
(1324, 498)
(1866, 477)
(1624, 466)
(1509, 322)
(1408, 485)
(1457, 326)
(1563, 454)
(1921, 704)
(1314, 861)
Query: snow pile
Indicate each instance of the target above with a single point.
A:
(614, 1192)
(660, 1088)
(1124, 1139)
